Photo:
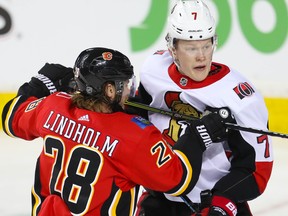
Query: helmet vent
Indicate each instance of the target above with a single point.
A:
(92, 65)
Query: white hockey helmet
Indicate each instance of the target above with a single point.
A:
(190, 20)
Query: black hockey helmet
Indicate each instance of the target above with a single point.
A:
(96, 66)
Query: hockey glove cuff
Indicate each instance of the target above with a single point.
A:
(222, 206)
(200, 130)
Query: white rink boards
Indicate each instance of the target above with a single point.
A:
(18, 158)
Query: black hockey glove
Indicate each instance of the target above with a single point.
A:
(50, 78)
(211, 127)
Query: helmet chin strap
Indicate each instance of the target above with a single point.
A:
(176, 61)
(119, 85)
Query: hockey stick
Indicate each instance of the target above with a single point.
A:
(189, 203)
(176, 115)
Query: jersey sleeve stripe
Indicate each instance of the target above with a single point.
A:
(8, 116)
(133, 194)
(37, 202)
(189, 172)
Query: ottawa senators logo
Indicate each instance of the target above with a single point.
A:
(107, 56)
(243, 90)
(176, 127)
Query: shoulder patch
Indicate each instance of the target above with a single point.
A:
(141, 122)
(243, 90)
(33, 104)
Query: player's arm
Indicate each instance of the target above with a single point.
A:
(240, 184)
(50, 78)
(251, 166)
(199, 136)
(19, 117)
(252, 160)
(175, 171)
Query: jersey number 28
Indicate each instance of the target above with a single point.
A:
(81, 172)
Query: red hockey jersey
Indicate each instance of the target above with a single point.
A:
(95, 161)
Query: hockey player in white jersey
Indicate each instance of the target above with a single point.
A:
(184, 79)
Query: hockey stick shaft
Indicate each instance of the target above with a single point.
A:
(176, 115)
(161, 111)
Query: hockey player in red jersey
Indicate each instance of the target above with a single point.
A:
(94, 154)
(184, 79)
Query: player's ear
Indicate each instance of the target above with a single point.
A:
(110, 91)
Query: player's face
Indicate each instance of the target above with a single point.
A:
(194, 58)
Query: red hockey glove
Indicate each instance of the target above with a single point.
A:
(222, 206)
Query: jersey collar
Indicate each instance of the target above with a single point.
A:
(217, 72)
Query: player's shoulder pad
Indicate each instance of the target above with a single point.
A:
(141, 122)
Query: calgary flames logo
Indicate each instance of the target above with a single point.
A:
(107, 56)
(177, 127)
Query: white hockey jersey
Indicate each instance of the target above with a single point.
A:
(170, 90)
